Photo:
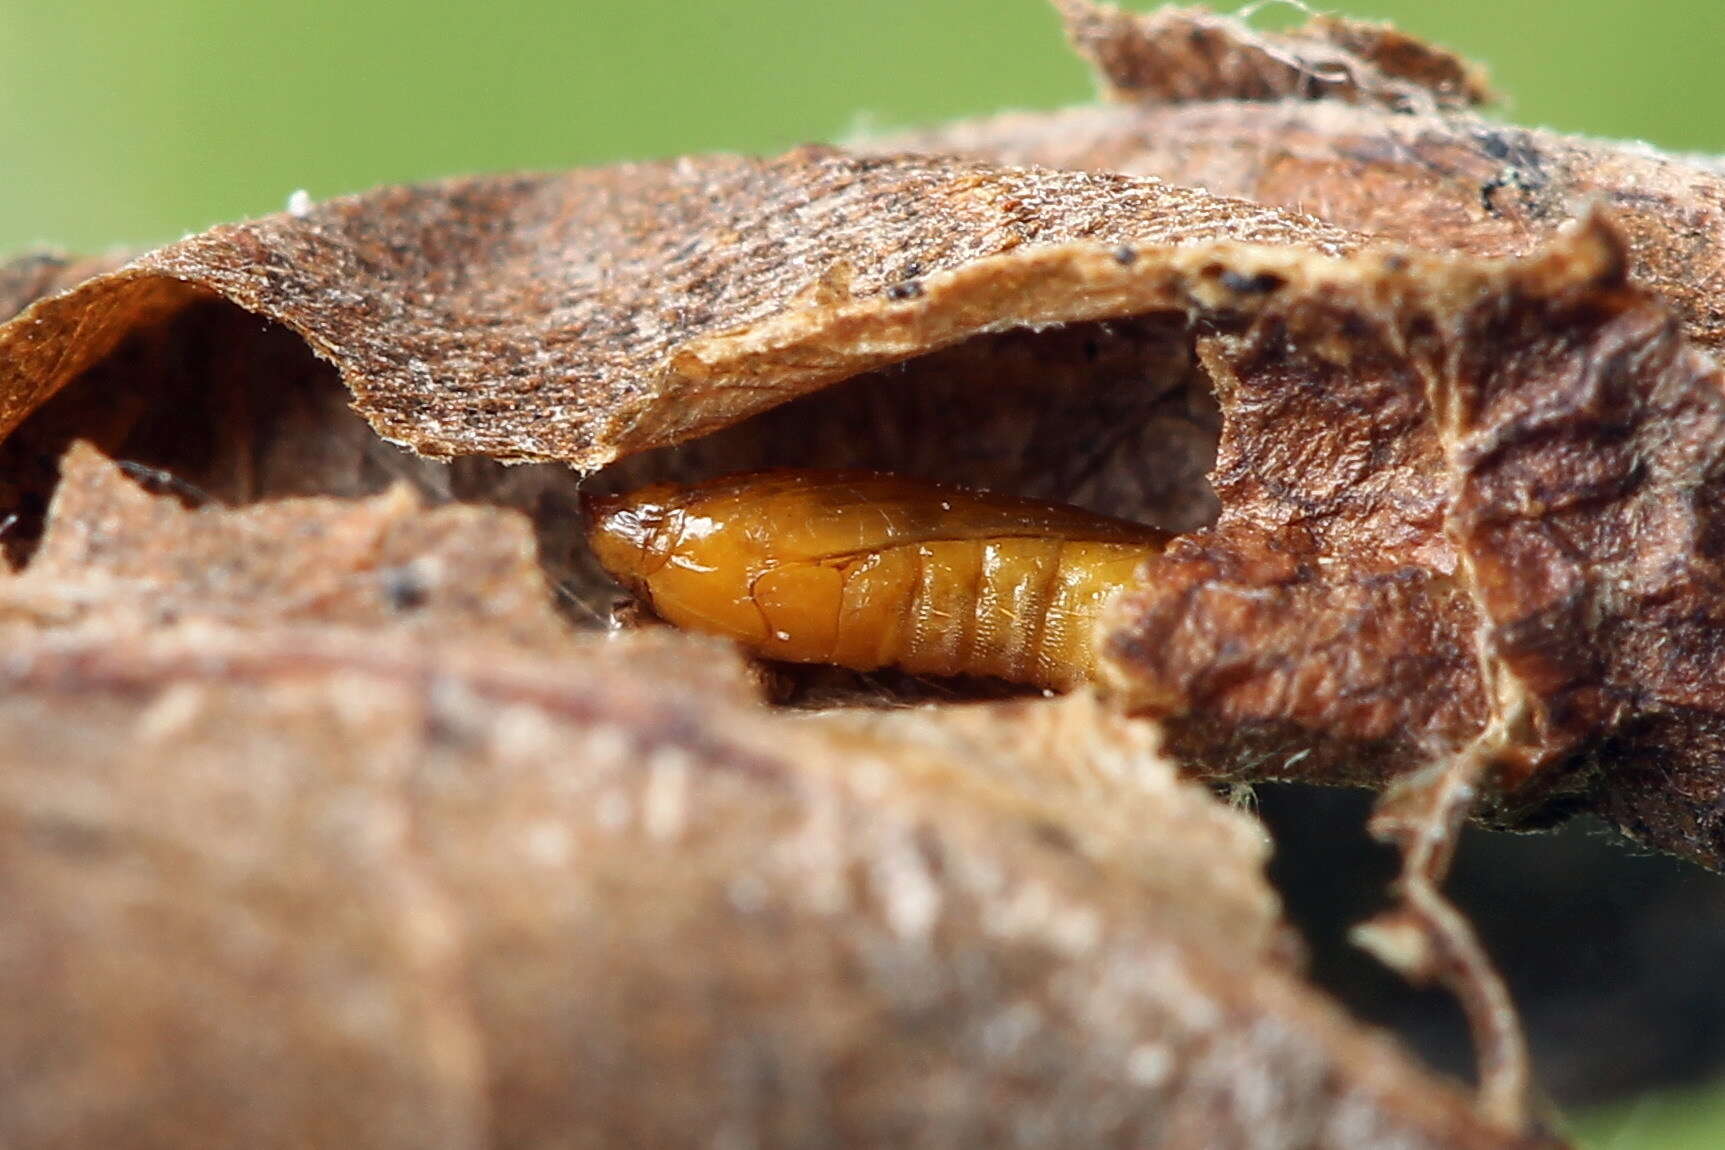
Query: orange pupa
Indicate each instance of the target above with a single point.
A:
(867, 570)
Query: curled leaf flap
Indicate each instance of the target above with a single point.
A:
(582, 316)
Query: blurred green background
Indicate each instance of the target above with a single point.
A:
(124, 123)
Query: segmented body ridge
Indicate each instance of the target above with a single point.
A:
(864, 570)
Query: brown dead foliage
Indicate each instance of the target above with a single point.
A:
(116, 556)
(1180, 55)
(619, 309)
(1453, 182)
(318, 768)
(1557, 527)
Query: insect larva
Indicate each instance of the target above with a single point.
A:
(865, 570)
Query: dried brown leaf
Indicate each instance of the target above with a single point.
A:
(1460, 511)
(117, 556)
(1448, 183)
(579, 317)
(1374, 513)
(1187, 55)
(503, 899)
(27, 278)
(1567, 462)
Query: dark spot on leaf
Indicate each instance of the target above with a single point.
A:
(1054, 835)
(1260, 284)
(1495, 145)
(66, 836)
(404, 589)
